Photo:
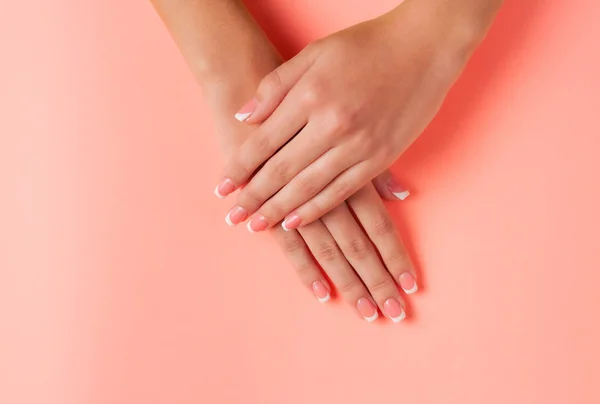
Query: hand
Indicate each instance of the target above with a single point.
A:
(229, 67)
(341, 112)
(368, 266)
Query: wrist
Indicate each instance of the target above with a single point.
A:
(227, 86)
(448, 31)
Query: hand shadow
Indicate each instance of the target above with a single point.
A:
(465, 100)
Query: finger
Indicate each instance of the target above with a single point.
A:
(299, 256)
(274, 87)
(304, 186)
(361, 254)
(377, 222)
(326, 251)
(388, 188)
(260, 146)
(336, 192)
(281, 169)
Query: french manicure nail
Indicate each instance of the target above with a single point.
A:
(236, 216)
(394, 310)
(225, 187)
(398, 190)
(321, 291)
(408, 283)
(367, 309)
(258, 223)
(291, 222)
(248, 109)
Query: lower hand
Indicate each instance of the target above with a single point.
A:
(367, 267)
(350, 257)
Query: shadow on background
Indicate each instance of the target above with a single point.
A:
(468, 97)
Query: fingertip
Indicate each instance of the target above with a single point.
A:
(397, 190)
(402, 195)
(246, 112)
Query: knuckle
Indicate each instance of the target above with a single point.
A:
(282, 170)
(383, 226)
(311, 95)
(305, 270)
(348, 286)
(380, 284)
(358, 249)
(292, 243)
(341, 190)
(341, 119)
(237, 169)
(273, 212)
(250, 197)
(396, 259)
(263, 142)
(307, 187)
(326, 252)
(269, 84)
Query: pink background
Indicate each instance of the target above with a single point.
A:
(120, 282)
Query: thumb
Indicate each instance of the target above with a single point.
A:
(274, 87)
(388, 188)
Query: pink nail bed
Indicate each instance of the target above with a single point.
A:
(291, 222)
(258, 223)
(408, 283)
(246, 111)
(225, 187)
(398, 190)
(236, 216)
(394, 310)
(321, 291)
(367, 309)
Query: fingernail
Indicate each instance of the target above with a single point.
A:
(394, 310)
(291, 222)
(398, 190)
(367, 309)
(408, 283)
(236, 216)
(225, 187)
(258, 223)
(244, 113)
(321, 291)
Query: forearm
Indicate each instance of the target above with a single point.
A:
(224, 47)
(226, 51)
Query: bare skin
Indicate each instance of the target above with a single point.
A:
(229, 56)
(342, 111)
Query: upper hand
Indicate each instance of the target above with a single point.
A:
(338, 114)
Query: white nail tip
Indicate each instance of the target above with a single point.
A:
(249, 228)
(218, 194)
(284, 227)
(401, 195)
(399, 318)
(324, 299)
(372, 318)
(411, 291)
(228, 220)
(242, 117)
